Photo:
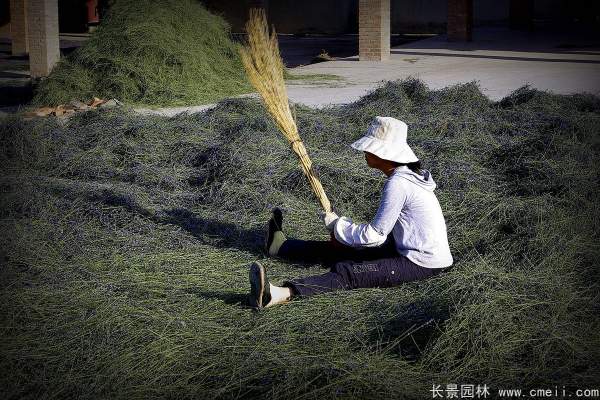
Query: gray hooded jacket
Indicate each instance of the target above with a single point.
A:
(411, 212)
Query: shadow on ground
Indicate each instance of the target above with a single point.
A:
(236, 299)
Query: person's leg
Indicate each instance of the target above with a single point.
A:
(347, 275)
(262, 293)
(330, 252)
(314, 251)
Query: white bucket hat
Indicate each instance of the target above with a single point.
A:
(386, 138)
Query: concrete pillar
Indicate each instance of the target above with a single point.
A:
(460, 20)
(18, 27)
(42, 24)
(374, 30)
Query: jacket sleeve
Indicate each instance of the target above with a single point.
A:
(374, 233)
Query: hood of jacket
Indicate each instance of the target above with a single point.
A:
(425, 181)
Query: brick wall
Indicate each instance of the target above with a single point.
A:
(374, 30)
(42, 24)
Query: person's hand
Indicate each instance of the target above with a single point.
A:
(329, 219)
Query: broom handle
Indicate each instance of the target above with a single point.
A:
(315, 183)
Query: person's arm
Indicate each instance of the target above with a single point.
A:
(374, 233)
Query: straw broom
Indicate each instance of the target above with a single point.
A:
(264, 69)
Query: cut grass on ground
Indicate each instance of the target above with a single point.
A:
(127, 240)
(293, 78)
(151, 52)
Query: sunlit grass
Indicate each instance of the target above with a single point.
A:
(126, 241)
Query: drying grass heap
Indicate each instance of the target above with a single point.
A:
(265, 71)
(155, 52)
(125, 252)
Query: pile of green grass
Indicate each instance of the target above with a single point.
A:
(154, 52)
(127, 240)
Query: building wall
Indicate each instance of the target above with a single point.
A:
(418, 15)
(490, 12)
(341, 16)
(5, 31)
(4, 19)
(72, 16)
(293, 16)
(235, 12)
(586, 12)
(314, 16)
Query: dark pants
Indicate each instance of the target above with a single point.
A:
(351, 268)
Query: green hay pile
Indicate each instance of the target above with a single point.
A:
(127, 240)
(154, 52)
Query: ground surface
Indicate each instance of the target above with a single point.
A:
(296, 50)
(500, 59)
(15, 81)
(126, 241)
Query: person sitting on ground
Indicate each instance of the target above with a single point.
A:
(366, 255)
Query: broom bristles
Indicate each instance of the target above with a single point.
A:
(264, 69)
